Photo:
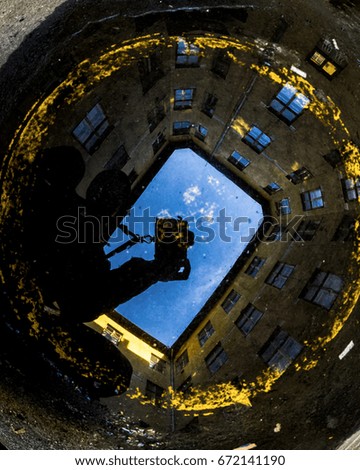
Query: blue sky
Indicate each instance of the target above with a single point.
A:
(186, 186)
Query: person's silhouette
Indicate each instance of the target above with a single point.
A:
(66, 234)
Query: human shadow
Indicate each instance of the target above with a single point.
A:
(66, 235)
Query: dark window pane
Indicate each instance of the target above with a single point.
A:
(230, 301)
(216, 359)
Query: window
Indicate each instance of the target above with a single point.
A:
(248, 319)
(312, 199)
(205, 333)
(155, 116)
(221, 63)
(209, 104)
(330, 68)
(216, 359)
(181, 362)
(150, 70)
(201, 132)
(300, 175)
(333, 158)
(317, 58)
(322, 289)
(306, 230)
(280, 350)
(183, 98)
(238, 160)
(181, 127)
(255, 266)
(283, 206)
(288, 104)
(351, 189)
(158, 142)
(272, 188)
(257, 139)
(187, 54)
(230, 301)
(276, 233)
(328, 58)
(279, 275)
(112, 334)
(153, 392)
(346, 230)
(93, 129)
(133, 176)
(156, 363)
(118, 160)
(185, 387)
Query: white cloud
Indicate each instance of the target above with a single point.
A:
(191, 194)
(215, 183)
(165, 213)
(208, 211)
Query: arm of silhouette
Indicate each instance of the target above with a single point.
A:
(101, 291)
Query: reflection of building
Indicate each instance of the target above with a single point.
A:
(284, 140)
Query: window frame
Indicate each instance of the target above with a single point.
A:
(278, 278)
(155, 116)
(112, 334)
(157, 363)
(287, 107)
(306, 230)
(351, 189)
(205, 333)
(181, 130)
(97, 128)
(327, 59)
(308, 200)
(182, 361)
(209, 104)
(238, 160)
(277, 233)
(150, 70)
(254, 267)
(154, 392)
(300, 175)
(345, 231)
(334, 158)
(221, 63)
(133, 176)
(185, 386)
(189, 56)
(283, 206)
(277, 348)
(249, 316)
(159, 142)
(186, 102)
(216, 358)
(254, 141)
(118, 160)
(229, 303)
(318, 286)
(273, 188)
(201, 132)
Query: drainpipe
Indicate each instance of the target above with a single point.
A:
(172, 384)
(236, 111)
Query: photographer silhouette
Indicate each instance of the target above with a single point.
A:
(74, 272)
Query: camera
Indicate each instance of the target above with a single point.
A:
(172, 240)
